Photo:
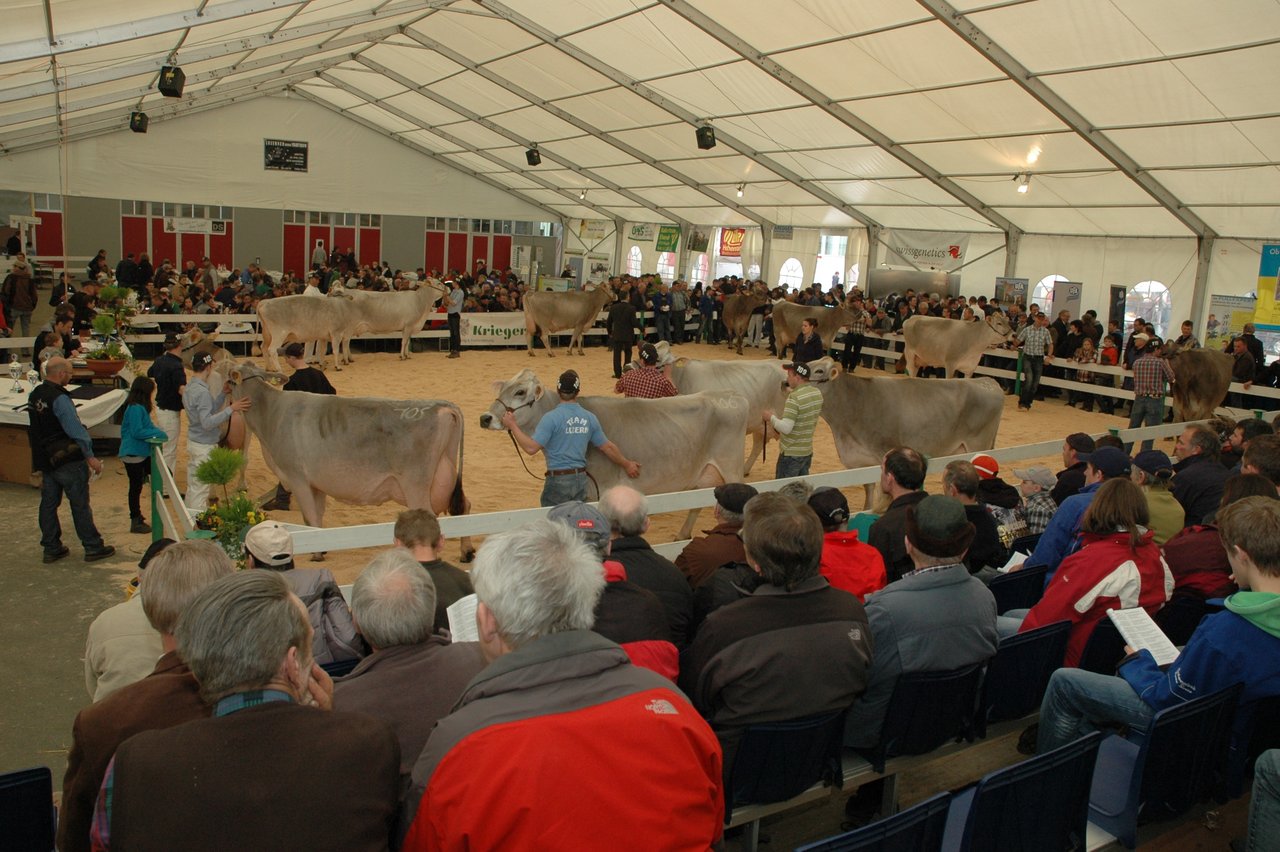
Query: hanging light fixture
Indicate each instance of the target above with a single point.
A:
(532, 156)
(582, 195)
(1033, 155)
(741, 188)
(1024, 182)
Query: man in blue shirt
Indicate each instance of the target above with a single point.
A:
(453, 313)
(564, 433)
(63, 452)
(1059, 540)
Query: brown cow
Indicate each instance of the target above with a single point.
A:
(1201, 380)
(787, 318)
(737, 312)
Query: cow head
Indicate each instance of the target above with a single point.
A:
(237, 374)
(823, 370)
(999, 323)
(521, 395)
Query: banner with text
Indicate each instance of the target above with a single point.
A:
(1012, 290)
(494, 329)
(668, 238)
(925, 250)
(641, 233)
(1066, 297)
(698, 240)
(187, 225)
(593, 230)
(1227, 316)
(731, 241)
(1268, 309)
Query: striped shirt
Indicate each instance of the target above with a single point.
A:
(804, 404)
(1035, 340)
(1149, 375)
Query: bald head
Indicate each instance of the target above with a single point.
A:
(57, 369)
(626, 510)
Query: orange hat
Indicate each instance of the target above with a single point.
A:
(988, 468)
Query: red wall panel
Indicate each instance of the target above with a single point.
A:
(49, 235)
(163, 246)
(323, 233)
(501, 253)
(370, 245)
(344, 238)
(457, 258)
(296, 254)
(479, 252)
(133, 235)
(222, 248)
(435, 252)
(193, 248)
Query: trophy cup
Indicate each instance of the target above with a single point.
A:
(15, 373)
(33, 376)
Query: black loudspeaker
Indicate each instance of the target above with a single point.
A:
(138, 122)
(171, 81)
(706, 137)
(532, 157)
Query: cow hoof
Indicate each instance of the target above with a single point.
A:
(468, 556)
(318, 557)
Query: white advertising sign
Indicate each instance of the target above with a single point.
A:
(925, 250)
(494, 329)
(642, 233)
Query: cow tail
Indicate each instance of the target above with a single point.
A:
(458, 500)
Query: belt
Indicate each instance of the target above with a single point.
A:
(567, 472)
(1150, 396)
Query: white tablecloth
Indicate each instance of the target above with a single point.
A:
(92, 412)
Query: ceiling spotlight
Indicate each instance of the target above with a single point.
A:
(171, 80)
(741, 188)
(706, 137)
(1024, 182)
(138, 122)
(582, 195)
(531, 156)
(1033, 155)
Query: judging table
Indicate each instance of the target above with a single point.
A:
(95, 406)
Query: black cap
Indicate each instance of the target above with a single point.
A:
(648, 353)
(294, 350)
(1080, 442)
(733, 496)
(171, 341)
(830, 505)
(569, 384)
(201, 360)
(800, 368)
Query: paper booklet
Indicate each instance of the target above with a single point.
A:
(462, 620)
(1140, 631)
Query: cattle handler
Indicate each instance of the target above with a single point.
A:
(308, 380)
(565, 433)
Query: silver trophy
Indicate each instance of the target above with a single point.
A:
(33, 376)
(16, 372)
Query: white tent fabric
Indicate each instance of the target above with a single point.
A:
(1130, 117)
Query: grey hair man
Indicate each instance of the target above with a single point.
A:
(414, 675)
(627, 511)
(247, 639)
(550, 689)
(722, 543)
(167, 697)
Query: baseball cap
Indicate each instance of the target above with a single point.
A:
(988, 467)
(733, 496)
(938, 526)
(1040, 475)
(170, 341)
(201, 360)
(1142, 336)
(648, 353)
(1080, 442)
(569, 382)
(830, 505)
(294, 350)
(800, 368)
(1110, 461)
(1153, 461)
(270, 544)
(585, 518)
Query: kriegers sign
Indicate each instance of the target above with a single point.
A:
(926, 250)
(494, 329)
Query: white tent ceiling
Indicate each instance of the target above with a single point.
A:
(1132, 117)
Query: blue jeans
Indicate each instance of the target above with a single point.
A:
(1010, 622)
(562, 489)
(792, 466)
(663, 322)
(1264, 810)
(73, 480)
(1032, 370)
(1079, 702)
(1146, 411)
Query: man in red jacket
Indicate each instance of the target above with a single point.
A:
(561, 743)
(847, 563)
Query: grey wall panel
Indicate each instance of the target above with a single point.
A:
(404, 242)
(259, 233)
(91, 224)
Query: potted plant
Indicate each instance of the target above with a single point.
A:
(230, 517)
(109, 358)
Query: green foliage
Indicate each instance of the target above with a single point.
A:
(104, 325)
(113, 295)
(230, 519)
(221, 467)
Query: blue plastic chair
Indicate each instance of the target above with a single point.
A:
(1019, 589)
(1164, 770)
(927, 710)
(1019, 673)
(774, 761)
(917, 829)
(1039, 805)
(1025, 543)
(1180, 617)
(28, 820)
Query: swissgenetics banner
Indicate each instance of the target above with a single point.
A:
(731, 241)
(926, 250)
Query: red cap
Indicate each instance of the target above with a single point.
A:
(988, 468)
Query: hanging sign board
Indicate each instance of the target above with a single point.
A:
(731, 241)
(283, 156)
(668, 238)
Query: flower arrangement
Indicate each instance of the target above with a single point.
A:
(230, 517)
(104, 325)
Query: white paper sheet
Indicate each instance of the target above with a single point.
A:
(462, 619)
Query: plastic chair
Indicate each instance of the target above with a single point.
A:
(1165, 770)
(917, 829)
(1019, 589)
(1019, 673)
(1039, 805)
(1025, 543)
(1104, 650)
(28, 820)
(926, 710)
(1180, 617)
(1257, 730)
(774, 761)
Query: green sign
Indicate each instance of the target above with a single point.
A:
(668, 238)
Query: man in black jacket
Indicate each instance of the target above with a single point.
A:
(901, 477)
(1198, 477)
(621, 323)
(170, 378)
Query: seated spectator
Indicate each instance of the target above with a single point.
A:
(248, 642)
(1059, 538)
(414, 675)
(1262, 456)
(626, 613)
(1108, 440)
(1264, 807)
(418, 531)
(1036, 489)
(1243, 432)
(168, 696)
(936, 618)
(1198, 476)
(1001, 499)
(722, 544)
(269, 546)
(1118, 567)
(551, 690)
(1239, 645)
(122, 647)
(1153, 472)
(847, 563)
(1195, 556)
(986, 553)
(902, 473)
(628, 514)
(795, 647)
(1071, 477)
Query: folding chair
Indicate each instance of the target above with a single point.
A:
(1019, 673)
(28, 820)
(917, 829)
(1019, 589)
